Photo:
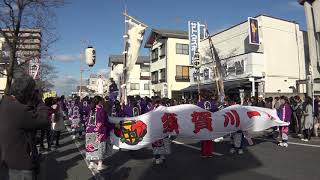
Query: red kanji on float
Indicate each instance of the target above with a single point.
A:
(201, 120)
(232, 117)
(170, 123)
(253, 114)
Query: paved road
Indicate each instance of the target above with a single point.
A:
(263, 161)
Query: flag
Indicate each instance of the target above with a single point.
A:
(133, 39)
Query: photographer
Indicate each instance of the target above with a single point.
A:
(21, 114)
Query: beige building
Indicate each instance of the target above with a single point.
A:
(272, 68)
(138, 82)
(29, 50)
(169, 62)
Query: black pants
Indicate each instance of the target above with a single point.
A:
(307, 134)
(46, 132)
(297, 123)
(57, 137)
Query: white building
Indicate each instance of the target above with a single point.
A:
(139, 77)
(92, 83)
(272, 68)
(169, 62)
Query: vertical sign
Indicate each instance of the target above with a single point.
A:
(194, 38)
(253, 31)
(34, 68)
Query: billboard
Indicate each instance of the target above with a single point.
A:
(253, 31)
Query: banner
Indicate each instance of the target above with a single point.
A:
(190, 121)
(253, 31)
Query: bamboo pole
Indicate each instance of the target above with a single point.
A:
(130, 17)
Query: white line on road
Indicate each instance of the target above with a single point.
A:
(95, 174)
(298, 144)
(196, 148)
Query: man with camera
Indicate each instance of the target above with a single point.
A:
(21, 114)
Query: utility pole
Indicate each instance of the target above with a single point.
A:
(312, 12)
(217, 68)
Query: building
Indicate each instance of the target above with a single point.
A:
(273, 67)
(169, 62)
(28, 53)
(138, 82)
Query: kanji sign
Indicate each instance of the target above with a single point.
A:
(170, 123)
(201, 120)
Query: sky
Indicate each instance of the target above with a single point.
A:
(100, 23)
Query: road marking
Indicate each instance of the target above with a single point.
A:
(196, 148)
(298, 144)
(95, 174)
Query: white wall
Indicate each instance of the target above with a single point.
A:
(282, 47)
(175, 59)
(284, 54)
(134, 77)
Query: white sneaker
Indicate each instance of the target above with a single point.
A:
(240, 151)
(73, 137)
(158, 161)
(303, 139)
(306, 140)
(232, 151)
(218, 140)
(92, 165)
(285, 145)
(281, 144)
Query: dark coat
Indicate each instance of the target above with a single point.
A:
(16, 120)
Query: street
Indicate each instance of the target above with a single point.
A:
(263, 161)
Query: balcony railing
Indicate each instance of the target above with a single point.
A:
(183, 78)
(144, 77)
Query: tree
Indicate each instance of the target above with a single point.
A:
(18, 15)
(47, 74)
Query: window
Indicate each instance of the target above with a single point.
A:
(162, 50)
(206, 74)
(146, 86)
(93, 82)
(163, 75)
(134, 86)
(154, 54)
(144, 68)
(154, 77)
(182, 49)
(182, 73)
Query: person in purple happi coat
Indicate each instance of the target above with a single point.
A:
(285, 113)
(98, 130)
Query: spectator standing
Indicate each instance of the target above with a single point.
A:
(316, 115)
(21, 112)
(307, 119)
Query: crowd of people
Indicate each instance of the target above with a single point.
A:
(24, 115)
